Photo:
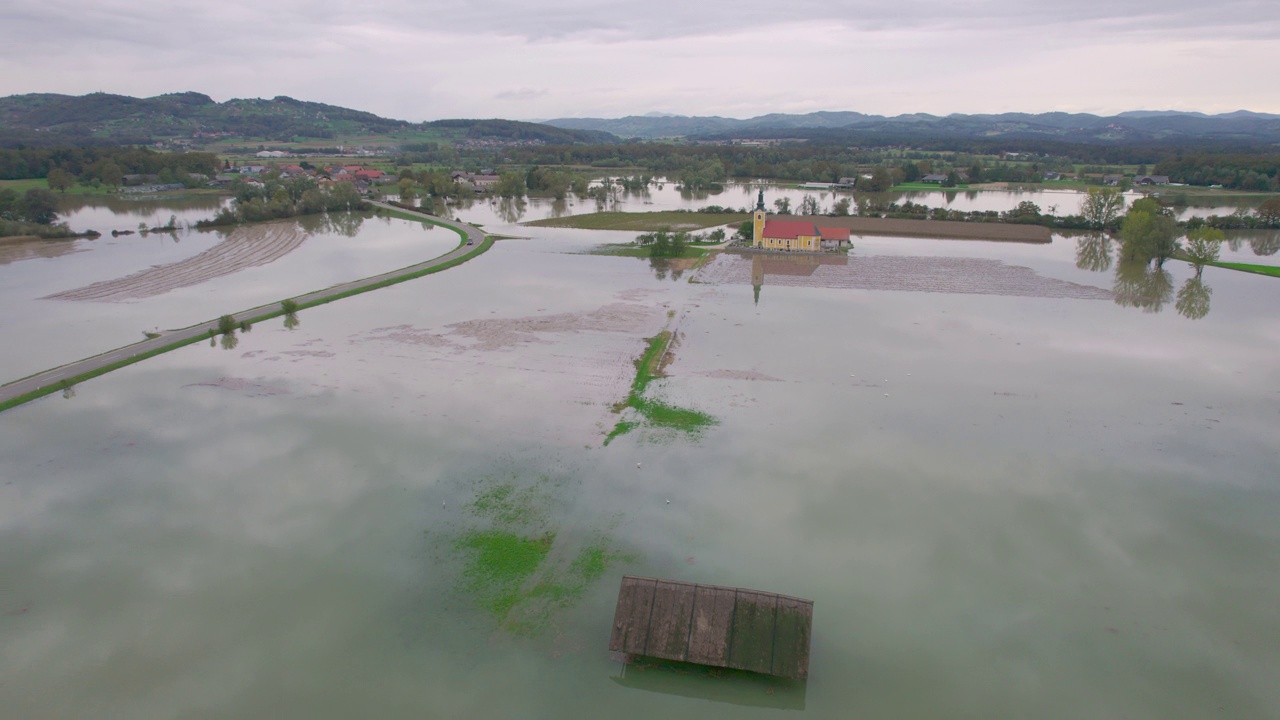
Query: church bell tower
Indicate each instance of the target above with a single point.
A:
(757, 227)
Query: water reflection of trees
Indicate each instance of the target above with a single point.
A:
(1093, 252)
(1142, 284)
(510, 210)
(1265, 243)
(662, 267)
(1193, 298)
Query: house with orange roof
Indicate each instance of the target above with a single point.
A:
(793, 235)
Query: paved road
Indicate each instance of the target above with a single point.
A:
(52, 378)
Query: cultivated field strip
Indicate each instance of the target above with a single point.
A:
(246, 247)
(957, 275)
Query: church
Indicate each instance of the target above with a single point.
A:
(793, 235)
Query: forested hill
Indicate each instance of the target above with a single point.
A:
(105, 119)
(1127, 128)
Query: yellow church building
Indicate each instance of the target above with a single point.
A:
(793, 235)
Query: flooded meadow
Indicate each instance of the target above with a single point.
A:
(1016, 480)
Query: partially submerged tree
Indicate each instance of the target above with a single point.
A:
(1102, 206)
(1149, 232)
(1202, 246)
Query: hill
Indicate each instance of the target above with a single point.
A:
(104, 119)
(1138, 127)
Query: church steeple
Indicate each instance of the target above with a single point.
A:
(758, 220)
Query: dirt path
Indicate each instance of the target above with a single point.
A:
(29, 388)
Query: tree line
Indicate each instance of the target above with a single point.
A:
(281, 198)
(105, 165)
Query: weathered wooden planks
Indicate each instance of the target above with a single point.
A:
(712, 625)
(712, 620)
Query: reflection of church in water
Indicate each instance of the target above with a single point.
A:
(798, 265)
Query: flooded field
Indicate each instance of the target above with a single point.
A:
(1016, 480)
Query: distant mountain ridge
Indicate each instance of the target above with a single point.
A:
(43, 119)
(1133, 126)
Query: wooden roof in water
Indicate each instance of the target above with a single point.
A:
(712, 625)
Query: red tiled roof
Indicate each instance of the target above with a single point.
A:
(787, 229)
(834, 233)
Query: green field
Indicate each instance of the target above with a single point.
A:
(642, 222)
(21, 186)
(1272, 270)
(927, 186)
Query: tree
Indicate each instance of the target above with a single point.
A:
(510, 184)
(60, 179)
(39, 206)
(1203, 245)
(11, 205)
(665, 244)
(1025, 212)
(809, 205)
(1269, 211)
(406, 191)
(783, 206)
(1102, 206)
(840, 207)
(111, 174)
(1149, 232)
(953, 179)
(879, 181)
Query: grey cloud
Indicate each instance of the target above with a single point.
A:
(184, 21)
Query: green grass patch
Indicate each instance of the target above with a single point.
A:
(642, 221)
(516, 564)
(650, 361)
(499, 563)
(655, 413)
(21, 186)
(663, 415)
(927, 186)
(1272, 270)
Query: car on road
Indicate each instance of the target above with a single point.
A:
(471, 242)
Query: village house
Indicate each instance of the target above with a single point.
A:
(793, 235)
(1112, 179)
(933, 178)
(1151, 180)
(480, 183)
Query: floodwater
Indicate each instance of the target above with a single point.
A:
(1023, 488)
(174, 280)
(667, 195)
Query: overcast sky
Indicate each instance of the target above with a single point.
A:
(523, 59)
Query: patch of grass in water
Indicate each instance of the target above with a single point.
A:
(668, 416)
(499, 564)
(651, 364)
(517, 565)
(511, 507)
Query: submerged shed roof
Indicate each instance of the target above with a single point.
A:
(713, 625)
